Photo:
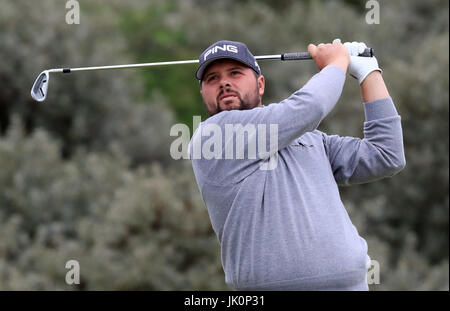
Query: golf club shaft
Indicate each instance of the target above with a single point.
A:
(286, 56)
(40, 85)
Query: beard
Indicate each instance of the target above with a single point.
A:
(250, 100)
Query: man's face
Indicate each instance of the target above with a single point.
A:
(230, 85)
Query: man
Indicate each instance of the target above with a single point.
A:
(286, 228)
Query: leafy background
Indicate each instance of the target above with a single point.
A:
(87, 175)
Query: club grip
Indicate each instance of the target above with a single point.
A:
(368, 52)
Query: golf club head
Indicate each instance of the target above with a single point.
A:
(40, 86)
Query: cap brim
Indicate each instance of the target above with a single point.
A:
(201, 69)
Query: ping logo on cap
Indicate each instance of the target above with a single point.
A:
(225, 47)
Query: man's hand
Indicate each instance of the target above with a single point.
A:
(360, 67)
(330, 54)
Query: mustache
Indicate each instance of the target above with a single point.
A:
(230, 91)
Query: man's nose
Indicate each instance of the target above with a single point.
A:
(224, 83)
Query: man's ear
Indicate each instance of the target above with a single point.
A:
(261, 85)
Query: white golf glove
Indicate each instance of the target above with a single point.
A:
(360, 66)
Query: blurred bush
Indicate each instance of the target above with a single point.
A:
(92, 109)
(129, 230)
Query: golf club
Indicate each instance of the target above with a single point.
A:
(40, 86)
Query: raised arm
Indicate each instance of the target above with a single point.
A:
(300, 113)
(380, 153)
(373, 87)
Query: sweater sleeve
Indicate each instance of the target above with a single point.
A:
(379, 154)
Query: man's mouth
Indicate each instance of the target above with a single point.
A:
(227, 95)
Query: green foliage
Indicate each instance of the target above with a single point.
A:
(88, 176)
(154, 34)
(96, 109)
(139, 229)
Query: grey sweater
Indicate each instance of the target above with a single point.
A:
(286, 228)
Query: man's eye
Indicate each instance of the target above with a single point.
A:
(235, 73)
(212, 78)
